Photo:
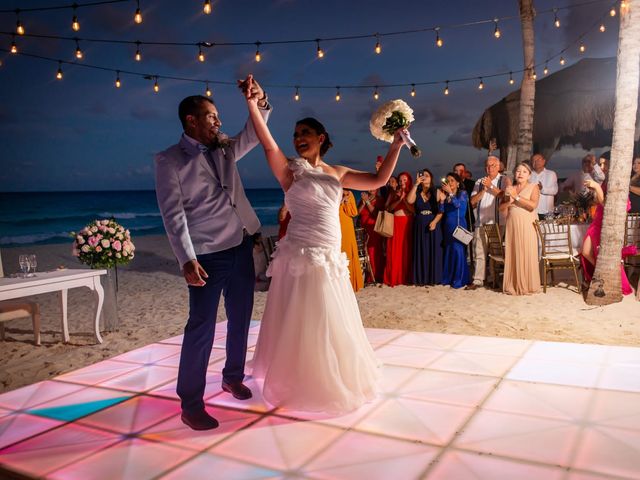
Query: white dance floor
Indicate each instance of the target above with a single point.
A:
(451, 407)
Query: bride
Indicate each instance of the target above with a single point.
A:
(312, 351)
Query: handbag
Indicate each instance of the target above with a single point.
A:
(384, 224)
(462, 234)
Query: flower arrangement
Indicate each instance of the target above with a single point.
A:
(581, 200)
(103, 244)
(390, 117)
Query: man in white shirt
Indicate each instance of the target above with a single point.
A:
(485, 199)
(590, 171)
(547, 181)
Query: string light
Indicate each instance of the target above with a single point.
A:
(19, 26)
(439, 41)
(556, 20)
(546, 69)
(258, 56)
(562, 61)
(481, 84)
(378, 47)
(319, 50)
(534, 75)
(118, 82)
(207, 91)
(413, 90)
(156, 87)
(602, 28)
(612, 12)
(582, 48)
(296, 96)
(207, 7)
(14, 47)
(496, 30)
(446, 88)
(138, 55)
(75, 24)
(376, 95)
(200, 54)
(59, 73)
(137, 17)
(511, 80)
(79, 54)
(338, 94)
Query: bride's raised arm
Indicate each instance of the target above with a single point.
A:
(359, 180)
(275, 158)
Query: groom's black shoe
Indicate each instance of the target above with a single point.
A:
(199, 421)
(238, 389)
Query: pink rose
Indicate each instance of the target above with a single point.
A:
(102, 228)
(117, 245)
(112, 230)
(93, 241)
(80, 240)
(98, 248)
(105, 243)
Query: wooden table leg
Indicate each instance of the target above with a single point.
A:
(99, 292)
(63, 306)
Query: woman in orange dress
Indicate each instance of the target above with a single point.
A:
(371, 203)
(348, 210)
(398, 268)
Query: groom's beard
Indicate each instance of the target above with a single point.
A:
(217, 141)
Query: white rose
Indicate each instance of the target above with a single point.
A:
(85, 248)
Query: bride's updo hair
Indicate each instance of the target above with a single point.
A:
(320, 130)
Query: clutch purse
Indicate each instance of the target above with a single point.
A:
(463, 235)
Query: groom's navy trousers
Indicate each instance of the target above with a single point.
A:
(231, 273)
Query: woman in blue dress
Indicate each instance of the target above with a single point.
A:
(455, 271)
(427, 231)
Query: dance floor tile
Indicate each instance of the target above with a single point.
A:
(543, 400)
(358, 455)
(415, 420)
(134, 415)
(528, 438)
(494, 346)
(556, 372)
(473, 363)
(463, 465)
(36, 394)
(177, 340)
(438, 341)
(222, 468)
(133, 459)
(278, 443)
(450, 406)
(98, 372)
(143, 379)
(149, 354)
(54, 449)
(19, 426)
(407, 356)
(173, 432)
(448, 387)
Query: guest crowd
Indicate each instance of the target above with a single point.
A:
(429, 213)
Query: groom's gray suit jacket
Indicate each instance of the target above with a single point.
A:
(204, 213)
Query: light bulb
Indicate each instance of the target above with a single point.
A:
(623, 4)
(439, 41)
(14, 47)
(118, 82)
(200, 55)
(156, 87)
(376, 96)
(446, 89)
(79, 54)
(296, 97)
(534, 75)
(378, 47)
(511, 80)
(557, 22)
(319, 50)
(546, 70)
(207, 91)
(19, 28)
(138, 56)
(207, 7)
(562, 61)
(75, 24)
(258, 56)
(59, 73)
(338, 94)
(413, 90)
(612, 12)
(138, 15)
(602, 27)
(582, 48)
(481, 85)
(496, 31)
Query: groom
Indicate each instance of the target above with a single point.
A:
(209, 222)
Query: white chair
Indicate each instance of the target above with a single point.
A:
(12, 310)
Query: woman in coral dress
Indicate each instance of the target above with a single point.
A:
(398, 268)
(348, 210)
(371, 203)
(521, 265)
(312, 350)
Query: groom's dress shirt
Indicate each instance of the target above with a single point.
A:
(549, 181)
(203, 204)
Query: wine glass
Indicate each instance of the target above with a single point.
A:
(23, 260)
(33, 263)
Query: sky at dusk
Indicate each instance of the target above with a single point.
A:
(81, 133)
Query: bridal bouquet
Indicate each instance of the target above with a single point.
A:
(389, 118)
(103, 244)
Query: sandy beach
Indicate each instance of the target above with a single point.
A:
(152, 305)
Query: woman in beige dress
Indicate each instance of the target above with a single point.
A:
(521, 270)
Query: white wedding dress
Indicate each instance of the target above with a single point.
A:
(312, 350)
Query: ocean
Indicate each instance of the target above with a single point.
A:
(30, 218)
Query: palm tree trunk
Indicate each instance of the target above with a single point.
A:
(528, 86)
(605, 286)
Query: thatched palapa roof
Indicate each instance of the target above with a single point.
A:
(572, 107)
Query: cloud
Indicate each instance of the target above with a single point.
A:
(461, 136)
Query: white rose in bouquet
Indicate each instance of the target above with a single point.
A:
(390, 117)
